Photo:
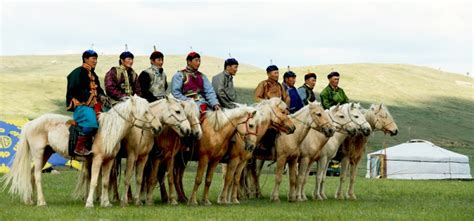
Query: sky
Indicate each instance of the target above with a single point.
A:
(437, 34)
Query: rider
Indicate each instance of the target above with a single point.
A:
(306, 91)
(224, 85)
(153, 79)
(117, 85)
(333, 94)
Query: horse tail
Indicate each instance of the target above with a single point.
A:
(19, 177)
(82, 185)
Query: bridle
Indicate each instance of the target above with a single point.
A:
(308, 125)
(132, 123)
(384, 126)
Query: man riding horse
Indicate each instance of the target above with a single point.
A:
(333, 94)
(153, 79)
(224, 85)
(121, 81)
(191, 84)
(84, 96)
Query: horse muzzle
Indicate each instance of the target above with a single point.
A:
(394, 133)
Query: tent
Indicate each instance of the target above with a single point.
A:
(9, 136)
(417, 160)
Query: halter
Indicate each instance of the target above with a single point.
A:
(384, 125)
(136, 119)
(352, 119)
(340, 124)
(279, 118)
(309, 124)
(179, 121)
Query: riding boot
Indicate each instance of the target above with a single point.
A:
(80, 148)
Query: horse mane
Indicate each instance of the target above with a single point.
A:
(218, 119)
(191, 109)
(109, 123)
(264, 108)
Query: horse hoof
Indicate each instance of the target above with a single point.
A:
(41, 204)
(206, 203)
(192, 203)
(106, 205)
(276, 199)
(89, 205)
(352, 197)
(124, 203)
(173, 202)
(138, 203)
(235, 201)
(29, 202)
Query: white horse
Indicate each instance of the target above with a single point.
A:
(139, 142)
(329, 150)
(315, 141)
(312, 116)
(49, 133)
(353, 148)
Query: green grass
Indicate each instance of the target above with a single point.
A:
(426, 104)
(377, 200)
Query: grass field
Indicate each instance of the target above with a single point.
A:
(426, 104)
(377, 200)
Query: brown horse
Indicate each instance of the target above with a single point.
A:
(354, 147)
(169, 144)
(219, 127)
(270, 113)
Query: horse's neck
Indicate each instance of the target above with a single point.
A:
(301, 128)
(264, 125)
(370, 117)
(335, 141)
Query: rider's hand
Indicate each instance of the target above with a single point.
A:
(216, 107)
(105, 100)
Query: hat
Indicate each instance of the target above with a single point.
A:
(332, 74)
(155, 55)
(310, 75)
(192, 55)
(230, 62)
(272, 68)
(289, 74)
(126, 54)
(89, 53)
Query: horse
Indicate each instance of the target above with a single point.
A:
(139, 142)
(312, 116)
(353, 148)
(274, 108)
(49, 133)
(315, 141)
(267, 115)
(170, 144)
(219, 127)
(330, 149)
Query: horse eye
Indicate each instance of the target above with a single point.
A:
(342, 117)
(251, 125)
(318, 114)
(178, 112)
(356, 116)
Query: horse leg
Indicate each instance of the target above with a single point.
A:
(353, 170)
(171, 184)
(161, 181)
(342, 176)
(106, 168)
(293, 173)
(139, 178)
(152, 180)
(211, 168)
(301, 176)
(308, 169)
(319, 179)
(229, 174)
(256, 177)
(40, 158)
(237, 177)
(280, 165)
(323, 182)
(179, 172)
(131, 160)
(203, 161)
(96, 165)
(114, 173)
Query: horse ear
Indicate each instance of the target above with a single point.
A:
(337, 107)
(381, 106)
(167, 98)
(352, 105)
(254, 113)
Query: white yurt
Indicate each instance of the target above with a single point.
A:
(417, 160)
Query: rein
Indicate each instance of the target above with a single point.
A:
(135, 119)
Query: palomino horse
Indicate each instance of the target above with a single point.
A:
(49, 133)
(169, 143)
(138, 143)
(315, 141)
(219, 127)
(270, 112)
(330, 149)
(354, 147)
(274, 109)
(312, 116)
